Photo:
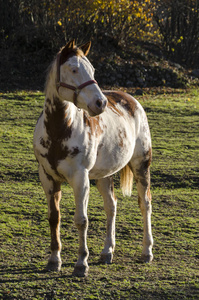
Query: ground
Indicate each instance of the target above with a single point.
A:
(24, 232)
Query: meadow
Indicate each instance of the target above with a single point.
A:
(24, 230)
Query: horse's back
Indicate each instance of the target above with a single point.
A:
(129, 111)
(122, 101)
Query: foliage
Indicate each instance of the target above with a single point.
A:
(56, 20)
(35, 25)
(24, 230)
(178, 22)
(119, 19)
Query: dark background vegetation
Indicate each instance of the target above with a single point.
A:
(149, 47)
(135, 43)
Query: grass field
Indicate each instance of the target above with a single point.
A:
(24, 230)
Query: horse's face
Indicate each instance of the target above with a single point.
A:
(78, 73)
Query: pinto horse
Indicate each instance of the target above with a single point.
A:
(85, 134)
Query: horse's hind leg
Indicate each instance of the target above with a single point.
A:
(105, 187)
(141, 172)
(53, 194)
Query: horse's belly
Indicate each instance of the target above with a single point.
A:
(110, 162)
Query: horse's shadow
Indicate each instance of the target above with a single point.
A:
(38, 271)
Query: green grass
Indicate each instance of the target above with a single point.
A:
(24, 230)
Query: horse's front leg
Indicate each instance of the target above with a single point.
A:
(53, 194)
(81, 187)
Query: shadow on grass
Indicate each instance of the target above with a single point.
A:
(20, 176)
(166, 180)
(15, 271)
(133, 291)
(171, 112)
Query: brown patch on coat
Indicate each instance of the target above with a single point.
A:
(142, 173)
(74, 151)
(149, 194)
(45, 144)
(122, 135)
(148, 158)
(113, 99)
(55, 217)
(67, 53)
(57, 125)
(58, 129)
(69, 122)
(125, 100)
(94, 125)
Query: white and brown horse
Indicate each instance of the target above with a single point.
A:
(85, 134)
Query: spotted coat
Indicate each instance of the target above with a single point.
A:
(104, 133)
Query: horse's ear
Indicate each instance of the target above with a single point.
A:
(68, 48)
(70, 45)
(86, 48)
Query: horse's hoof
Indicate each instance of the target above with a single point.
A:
(146, 258)
(54, 266)
(80, 271)
(106, 258)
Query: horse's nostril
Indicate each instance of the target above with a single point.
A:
(99, 103)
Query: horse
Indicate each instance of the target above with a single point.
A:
(83, 134)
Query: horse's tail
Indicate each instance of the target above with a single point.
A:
(126, 181)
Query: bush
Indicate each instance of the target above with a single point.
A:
(178, 22)
(32, 25)
(24, 22)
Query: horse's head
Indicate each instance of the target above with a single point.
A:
(75, 79)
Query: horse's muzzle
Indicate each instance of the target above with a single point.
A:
(97, 107)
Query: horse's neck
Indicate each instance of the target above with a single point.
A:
(58, 114)
(58, 117)
(54, 107)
